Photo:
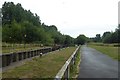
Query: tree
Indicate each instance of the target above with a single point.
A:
(68, 40)
(106, 37)
(20, 25)
(81, 39)
(98, 38)
(8, 13)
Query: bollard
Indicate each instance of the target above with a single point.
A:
(40, 54)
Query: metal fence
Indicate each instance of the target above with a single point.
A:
(64, 72)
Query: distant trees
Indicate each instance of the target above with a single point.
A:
(98, 38)
(22, 26)
(81, 39)
(111, 37)
(108, 37)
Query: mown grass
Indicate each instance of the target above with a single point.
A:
(75, 69)
(43, 67)
(103, 44)
(108, 50)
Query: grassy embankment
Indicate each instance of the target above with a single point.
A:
(107, 49)
(44, 67)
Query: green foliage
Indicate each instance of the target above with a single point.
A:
(68, 40)
(108, 37)
(81, 39)
(98, 38)
(22, 26)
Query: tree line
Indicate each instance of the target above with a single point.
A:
(108, 37)
(23, 26)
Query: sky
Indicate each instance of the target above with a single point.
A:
(75, 17)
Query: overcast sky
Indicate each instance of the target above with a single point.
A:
(74, 17)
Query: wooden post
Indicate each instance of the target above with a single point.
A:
(20, 56)
(14, 57)
(29, 54)
(3, 60)
(8, 59)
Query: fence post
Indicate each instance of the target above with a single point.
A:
(67, 73)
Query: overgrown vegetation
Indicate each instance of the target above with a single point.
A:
(75, 68)
(107, 49)
(43, 67)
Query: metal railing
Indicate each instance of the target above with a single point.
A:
(64, 72)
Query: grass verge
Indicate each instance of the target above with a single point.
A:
(108, 50)
(43, 67)
(75, 69)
